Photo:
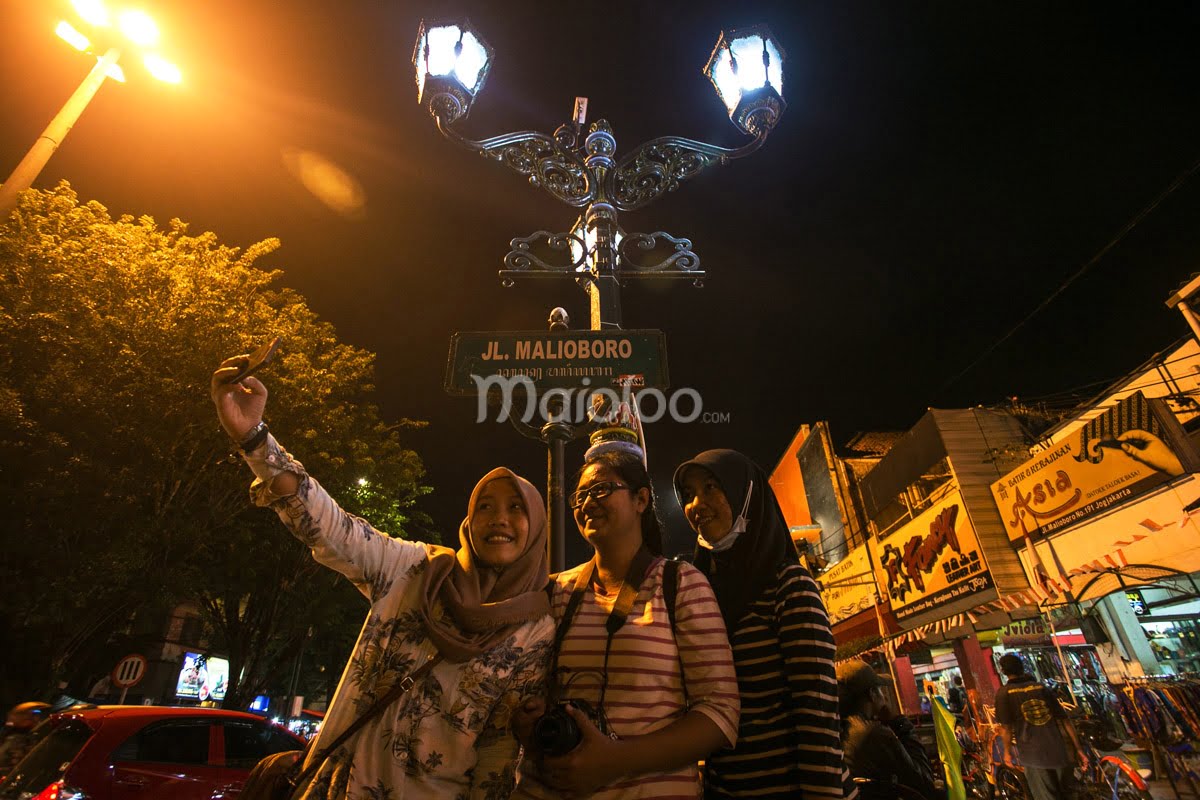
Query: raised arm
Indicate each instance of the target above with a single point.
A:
(369, 559)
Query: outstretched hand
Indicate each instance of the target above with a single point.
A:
(239, 405)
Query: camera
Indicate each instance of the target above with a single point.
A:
(557, 733)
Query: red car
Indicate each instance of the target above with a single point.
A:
(144, 752)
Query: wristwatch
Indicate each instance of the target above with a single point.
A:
(254, 438)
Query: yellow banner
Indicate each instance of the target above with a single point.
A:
(933, 560)
(1116, 456)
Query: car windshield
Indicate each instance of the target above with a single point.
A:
(48, 759)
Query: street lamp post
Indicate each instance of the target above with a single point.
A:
(452, 63)
(136, 29)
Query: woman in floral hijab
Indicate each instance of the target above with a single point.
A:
(481, 612)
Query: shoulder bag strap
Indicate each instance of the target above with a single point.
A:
(670, 584)
(402, 686)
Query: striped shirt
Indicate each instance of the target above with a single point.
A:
(789, 742)
(645, 685)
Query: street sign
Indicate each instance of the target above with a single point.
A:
(128, 671)
(485, 360)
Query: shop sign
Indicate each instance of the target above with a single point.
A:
(1137, 602)
(848, 587)
(1131, 448)
(1025, 632)
(933, 560)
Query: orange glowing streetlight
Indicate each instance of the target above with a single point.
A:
(112, 31)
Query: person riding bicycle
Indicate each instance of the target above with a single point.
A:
(1030, 713)
(878, 747)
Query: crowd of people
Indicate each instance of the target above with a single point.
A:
(478, 674)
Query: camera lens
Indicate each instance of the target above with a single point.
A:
(556, 733)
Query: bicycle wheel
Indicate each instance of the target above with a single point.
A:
(1115, 777)
(1010, 785)
(975, 781)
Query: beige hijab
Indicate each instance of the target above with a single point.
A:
(484, 605)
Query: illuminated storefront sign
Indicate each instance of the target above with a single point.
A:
(932, 561)
(1134, 446)
(848, 587)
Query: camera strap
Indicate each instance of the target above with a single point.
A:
(616, 618)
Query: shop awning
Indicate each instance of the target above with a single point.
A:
(942, 630)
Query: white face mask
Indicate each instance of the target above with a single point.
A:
(738, 528)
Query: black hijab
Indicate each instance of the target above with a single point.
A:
(742, 573)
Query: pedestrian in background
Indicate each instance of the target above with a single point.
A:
(956, 698)
(18, 733)
(1030, 714)
(880, 747)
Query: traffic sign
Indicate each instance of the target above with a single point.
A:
(128, 671)
(485, 360)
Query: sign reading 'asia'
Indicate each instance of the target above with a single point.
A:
(933, 560)
(1131, 448)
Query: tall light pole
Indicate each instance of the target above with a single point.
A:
(581, 169)
(133, 29)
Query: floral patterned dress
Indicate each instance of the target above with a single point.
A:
(446, 737)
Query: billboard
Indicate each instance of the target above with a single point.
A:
(848, 587)
(932, 561)
(202, 678)
(1134, 446)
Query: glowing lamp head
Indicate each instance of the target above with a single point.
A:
(93, 12)
(138, 28)
(746, 68)
(451, 64)
(162, 69)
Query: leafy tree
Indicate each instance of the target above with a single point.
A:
(117, 490)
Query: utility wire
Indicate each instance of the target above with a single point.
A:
(1129, 226)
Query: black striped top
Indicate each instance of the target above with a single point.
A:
(789, 743)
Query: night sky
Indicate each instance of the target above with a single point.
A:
(941, 170)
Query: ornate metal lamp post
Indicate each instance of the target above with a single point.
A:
(746, 67)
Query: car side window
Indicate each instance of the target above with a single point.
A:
(247, 743)
(171, 742)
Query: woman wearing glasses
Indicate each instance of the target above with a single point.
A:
(789, 740)
(666, 693)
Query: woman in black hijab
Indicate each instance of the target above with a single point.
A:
(789, 736)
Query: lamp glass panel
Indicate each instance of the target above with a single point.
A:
(115, 72)
(441, 49)
(420, 65)
(471, 62)
(748, 52)
(775, 70)
(589, 237)
(726, 82)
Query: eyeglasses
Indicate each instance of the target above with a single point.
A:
(597, 491)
